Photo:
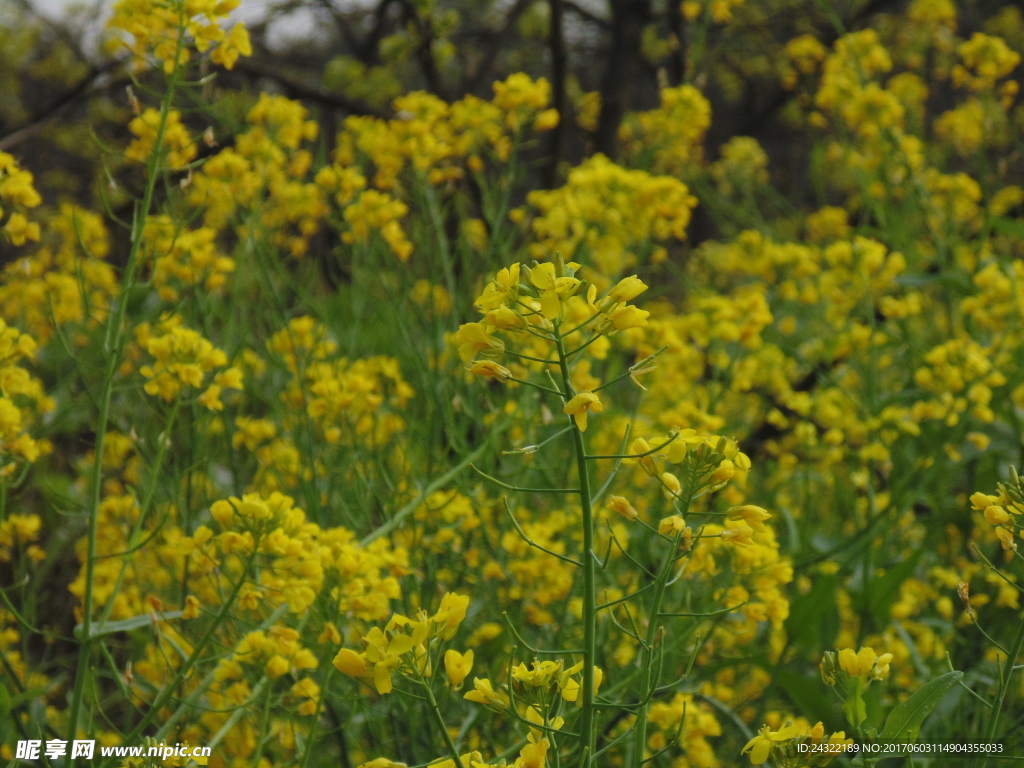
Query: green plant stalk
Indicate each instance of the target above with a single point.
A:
(589, 558)
(192, 701)
(436, 711)
(113, 343)
(168, 691)
(264, 721)
(997, 705)
(311, 739)
(237, 715)
(647, 661)
(147, 500)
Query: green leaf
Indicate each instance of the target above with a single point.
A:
(904, 722)
(813, 618)
(882, 591)
(127, 625)
(854, 709)
(808, 694)
(5, 701)
(1006, 226)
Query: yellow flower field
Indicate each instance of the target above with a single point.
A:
(381, 441)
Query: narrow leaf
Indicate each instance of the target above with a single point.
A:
(904, 722)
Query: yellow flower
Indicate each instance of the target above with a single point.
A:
(234, 45)
(761, 745)
(483, 693)
(627, 289)
(19, 229)
(671, 485)
(277, 666)
(737, 533)
(621, 506)
(502, 289)
(582, 404)
(864, 663)
(1006, 539)
(474, 338)
(533, 755)
(350, 663)
(179, 146)
(639, 447)
(546, 120)
(539, 675)
(330, 635)
(670, 526)
(450, 614)
(385, 655)
(624, 318)
(570, 687)
(457, 666)
(505, 319)
(751, 515)
(543, 278)
(191, 609)
(490, 370)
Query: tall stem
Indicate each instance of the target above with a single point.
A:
(436, 710)
(647, 661)
(997, 705)
(589, 559)
(113, 345)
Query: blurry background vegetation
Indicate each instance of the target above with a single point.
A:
(62, 99)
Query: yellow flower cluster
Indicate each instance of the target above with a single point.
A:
(164, 32)
(795, 742)
(265, 174)
(19, 534)
(184, 259)
(17, 189)
(65, 281)
(402, 647)
(610, 216)
(378, 211)
(742, 167)
(671, 135)
(22, 402)
(985, 59)
(179, 147)
(183, 358)
(259, 557)
(1002, 511)
(864, 663)
(349, 401)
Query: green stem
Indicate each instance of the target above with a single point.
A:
(436, 710)
(586, 727)
(311, 739)
(237, 715)
(136, 534)
(647, 662)
(264, 721)
(168, 691)
(1011, 660)
(413, 505)
(113, 344)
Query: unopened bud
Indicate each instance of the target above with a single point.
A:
(828, 668)
(964, 590)
(134, 101)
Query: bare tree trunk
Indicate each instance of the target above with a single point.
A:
(677, 59)
(556, 147)
(629, 17)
